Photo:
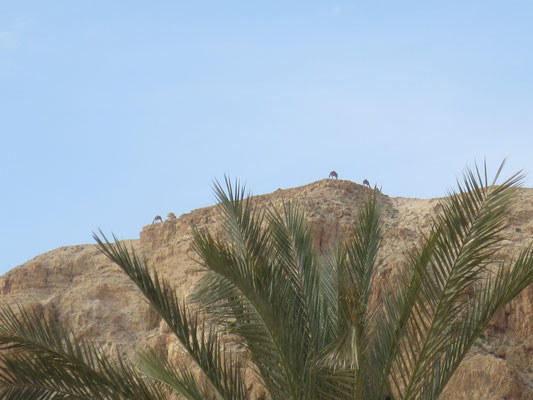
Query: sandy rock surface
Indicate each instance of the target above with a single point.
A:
(80, 286)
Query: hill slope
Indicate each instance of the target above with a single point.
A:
(80, 286)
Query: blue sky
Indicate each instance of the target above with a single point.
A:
(113, 112)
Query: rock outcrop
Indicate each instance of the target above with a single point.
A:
(80, 286)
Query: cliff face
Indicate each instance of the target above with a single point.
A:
(81, 287)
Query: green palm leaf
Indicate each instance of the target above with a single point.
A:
(40, 358)
(426, 317)
(254, 279)
(203, 346)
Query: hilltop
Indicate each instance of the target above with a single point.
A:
(78, 285)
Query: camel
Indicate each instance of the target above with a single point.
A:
(333, 174)
(366, 183)
(157, 218)
(171, 216)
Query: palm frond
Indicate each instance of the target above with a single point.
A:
(203, 346)
(418, 319)
(356, 266)
(497, 290)
(263, 279)
(292, 248)
(25, 393)
(179, 378)
(41, 354)
(248, 290)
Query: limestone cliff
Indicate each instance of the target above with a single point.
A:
(78, 285)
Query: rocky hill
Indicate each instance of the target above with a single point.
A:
(81, 287)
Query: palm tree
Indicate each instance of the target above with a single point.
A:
(305, 323)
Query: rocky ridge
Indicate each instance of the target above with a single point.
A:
(78, 285)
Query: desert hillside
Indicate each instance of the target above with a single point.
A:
(78, 285)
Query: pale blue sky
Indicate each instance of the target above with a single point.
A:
(114, 111)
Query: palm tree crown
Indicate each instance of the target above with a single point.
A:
(307, 324)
